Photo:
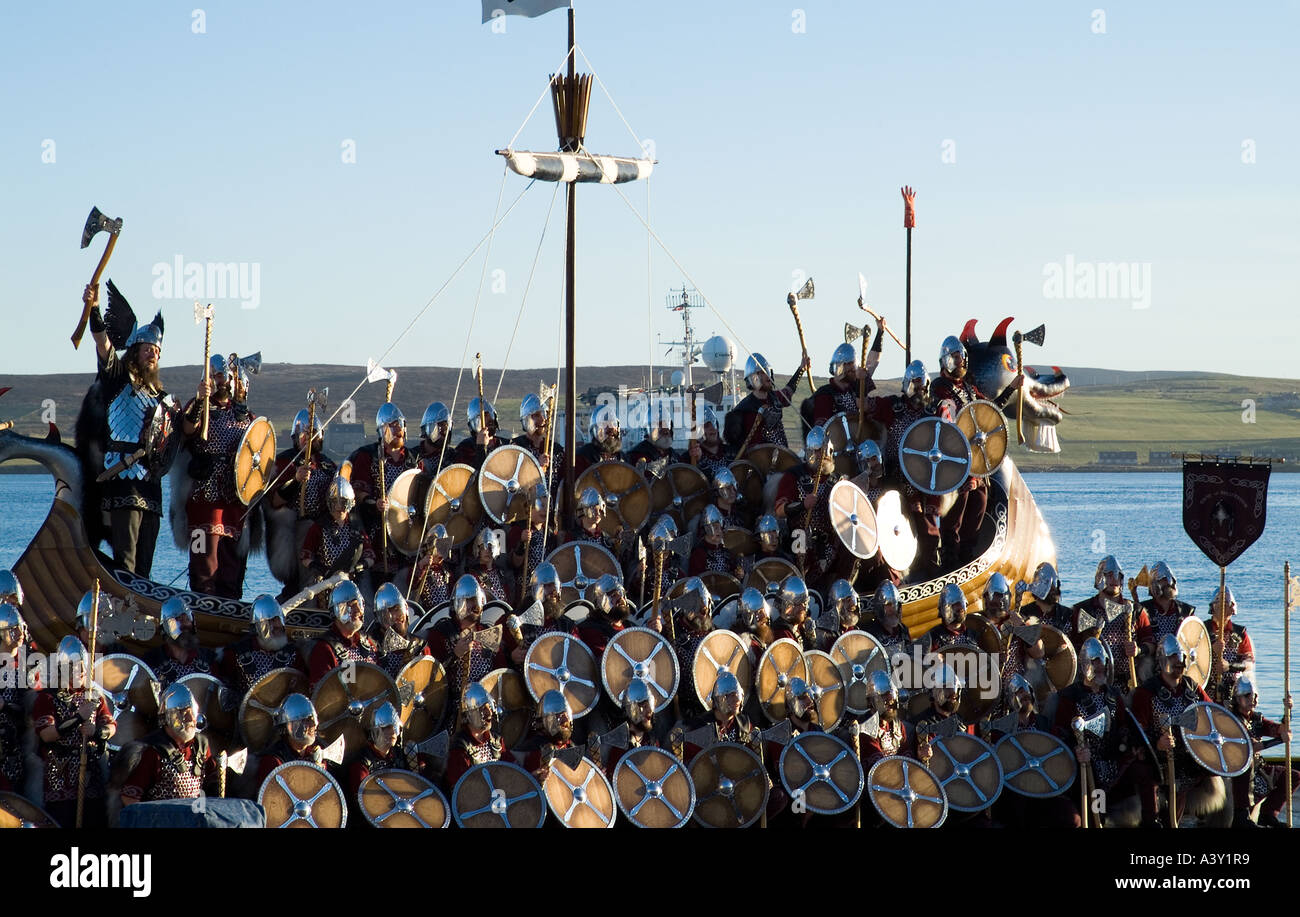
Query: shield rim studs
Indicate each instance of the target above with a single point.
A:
(486, 768)
(852, 679)
(652, 789)
(377, 779)
(1033, 762)
(907, 794)
(982, 435)
(562, 674)
(783, 677)
(614, 498)
(330, 784)
(1213, 737)
(703, 650)
(961, 770)
(757, 772)
(820, 770)
(511, 486)
(934, 456)
(296, 679)
(357, 708)
(593, 773)
(256, 461)
(456, 506)
(1199, 654)
(661, 645)
(858, 527)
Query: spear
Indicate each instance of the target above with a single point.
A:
(909, 222)
(89, 677)
(1292, 594)
(204, 314)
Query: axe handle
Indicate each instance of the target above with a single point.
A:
(311, 426)
(207, 372)
(889, 331)
(383, 495)
(803, 344)
(1020, 402)
(94, 281)
(749, 438)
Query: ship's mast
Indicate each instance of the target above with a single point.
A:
(683, 301)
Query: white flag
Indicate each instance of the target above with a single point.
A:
(529, 8)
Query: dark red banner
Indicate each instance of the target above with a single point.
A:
(1224, 507)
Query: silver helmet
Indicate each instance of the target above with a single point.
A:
(663, 533)
(435, 422)
(727, 696)
(608, 596)
(842, 597)
(882, 694)
(724, 484)
(997, 597)
(711, 522)
(347, 603)
(1163, 583)
(768, 530)
(545, 582)
(13, 630)
(605, 427)
(888, 604)
(952, 355)
(945, 694)
(555, 716)
(638, 703)
(915, 379)
(179, 711)
(799, 699)
(171, 614)
(72, 659)
(485, 540)
(794, 599)
(1096, 665)
(1045, 583)
(477, 709)
(1171, 658)
(709, 418)
(467, 599)
(10, 589)
(1218, 605)
(754, 609)
(758, 372)
(390, 605)
(696, 604)
(340, 497)
(301, 421)
(591, 505)
(1019, 693)
(151, 333)
(385, 729)
(529, 408)
(390, 421)
(952, 605)
(266, 610)
(815, 442)
(86, 604)
(868, 456)
(478, 407)
(297, 715)
(1108, 567)
(217, 365)
(1244, 686)
(438, 542)
(843, 360)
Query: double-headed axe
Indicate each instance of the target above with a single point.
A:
(203, 316)
(315, 399)
(95, 223)
(805, 292)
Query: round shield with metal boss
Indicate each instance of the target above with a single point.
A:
(299, 794)
(896, 540)
(498, 794)
(346, 698)
(739, 541)
(404, 517)
(985, 429)
(782, 661)
(731, 786)
(827, 686)
(579, 564)
(261, 705)
(216, 709)
(768, 574)
(580, 797)
(969, 663)
(561, 662)
(906, 793)
(1058, 667)
(720, 585)
(857, 654)
(639, 652)
(132, 692)
(453, 502)
(1194, 638)
(682, 492)
(854, 519)
(255, 460)
(402, 799)
(17, 812)
(969, 770)
(627, 496)
(843, 441)
(514, 705)
(654, 789)
(1219, 741)
(823, 771)
(506, 482)
(422, 690)
(1035, 763)
(934, 456)
(749, 483)
(984, 632)
(720, 651)
(769, 458)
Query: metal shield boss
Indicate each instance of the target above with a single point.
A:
(1219, 741)
(985, 428)
(498, 794)
(906, 793)
(720, 651)
(562, 662)
(827, 686)
(857, 654)
(404, 517)
(580, 564)
(580, 796)
(300, 794)
(1035, 763)
(626, 494)
(132, 692)
(1194, 638)
(402, 799)
(422, 690)
(514, 705)
(654, 789)
(682, 492)
(782, 661)
(346, 698)
(969, 770)
(639, 652)
(453, 502)
(731, 786)
(935, 456)
(258, 709)
(255, 460)
(821, 770)
(506, 483)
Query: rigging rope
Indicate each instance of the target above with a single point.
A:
(527, 286)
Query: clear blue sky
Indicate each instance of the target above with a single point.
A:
(780, 151)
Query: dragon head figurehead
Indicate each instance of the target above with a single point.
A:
(993, 367)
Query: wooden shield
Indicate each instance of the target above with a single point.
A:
(639, 652)
(299, 794)
(853, 519)
(782, 661)
(823, 771)
(739, 541)
(17, 812)
(720, 585)
(1219, 742)
(897, 541)
(982, 630)
(402, 799)
(1194, 638)
(216, 709)
(346, 698)
(627, 496)
(132, 692)
(857, 654)
(1057, 669)
(255, 460)
(514, 706)
(654, 789)
(580, 564)
(1036, 764)
(985, 428)
(906, 793)
(769, 573)
(258, 709)
(968, 663)
(731, 786)
(562, 662)
(749, 484)
(404, 518)
(498, 794)
(969, 770)
(828, 687)
(580, 797)
(453, 502)
(843, 442)
(769, 458)
(506, 482)
(422, 689)
(682, 492)
(934, 456)
(721, 651)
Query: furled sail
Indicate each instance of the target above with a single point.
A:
(579, 167)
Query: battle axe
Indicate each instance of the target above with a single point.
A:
(95, 223)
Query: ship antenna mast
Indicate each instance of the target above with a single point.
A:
(683, 301)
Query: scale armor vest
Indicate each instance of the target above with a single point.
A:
(226, 427)
(710, 465)
(177, 778)
(480, 754)
(396, 651)
(339, 543)
(436, 587)
(318, 486)
(252, 662)
(127, 414)
(169, 670)
(942, 636)
(1113, 633)
(1165, 705)
(12, 764)
(364, 651)
(493, 586)
(720, 560)
(740, 731)
(1105, 754)
(480, 659)
(844, 402)
(63, 756)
